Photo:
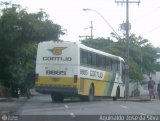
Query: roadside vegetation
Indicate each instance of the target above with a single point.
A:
(20, 32)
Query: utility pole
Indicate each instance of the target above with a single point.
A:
(127, 41)
(91, 27)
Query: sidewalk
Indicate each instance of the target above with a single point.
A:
(141, 98)
(3, 99)
(11, 99)
(138, 99)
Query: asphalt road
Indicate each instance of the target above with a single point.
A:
(42, 105)
(41, 108)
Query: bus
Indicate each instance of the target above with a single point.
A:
(67, 69)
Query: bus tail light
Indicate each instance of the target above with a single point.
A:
(75, 78)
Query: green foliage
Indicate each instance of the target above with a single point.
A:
(19, 35)
(99, 43)
(135, 73)
(157, 49)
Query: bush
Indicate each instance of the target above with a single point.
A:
(4, 92)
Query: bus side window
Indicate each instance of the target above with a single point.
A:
(108, 64)
(93, 63)
(89, 58)
(114, 65)
(83, 57)
(99, 61)
(103, 62)
(118, 66)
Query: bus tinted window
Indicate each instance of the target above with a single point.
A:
(104, 62)
(89, 58)
(83, 57)
(93, 63)
(94, 60)
(98, 60)
(108, 64)
(118, 66)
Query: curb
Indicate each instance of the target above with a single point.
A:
(12, 99)
(5, 99)
(140, 99)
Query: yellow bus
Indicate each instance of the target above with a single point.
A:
(65, 69)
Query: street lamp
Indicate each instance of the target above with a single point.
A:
(87, 9)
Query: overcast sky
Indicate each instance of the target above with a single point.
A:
(144, 19)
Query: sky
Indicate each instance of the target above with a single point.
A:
(144, 18)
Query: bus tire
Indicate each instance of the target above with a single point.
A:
(90, 96)
(52, 97)
(83, 98)
(91, 93)
(117, 95)
(56, 97)
(61, 98)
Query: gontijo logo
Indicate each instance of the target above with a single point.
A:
(57, 50)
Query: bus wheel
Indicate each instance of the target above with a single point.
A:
(90, 96)
(91, 93)
(57, 97)
(83, 98)
(117, 95)
(52, 97)
(61, 98)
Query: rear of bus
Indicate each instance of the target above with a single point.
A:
(57, 69)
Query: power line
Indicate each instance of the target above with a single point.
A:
(152, 30)
(147, 13)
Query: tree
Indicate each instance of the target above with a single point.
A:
(19, 35)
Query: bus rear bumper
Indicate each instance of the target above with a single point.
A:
(62, 90)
